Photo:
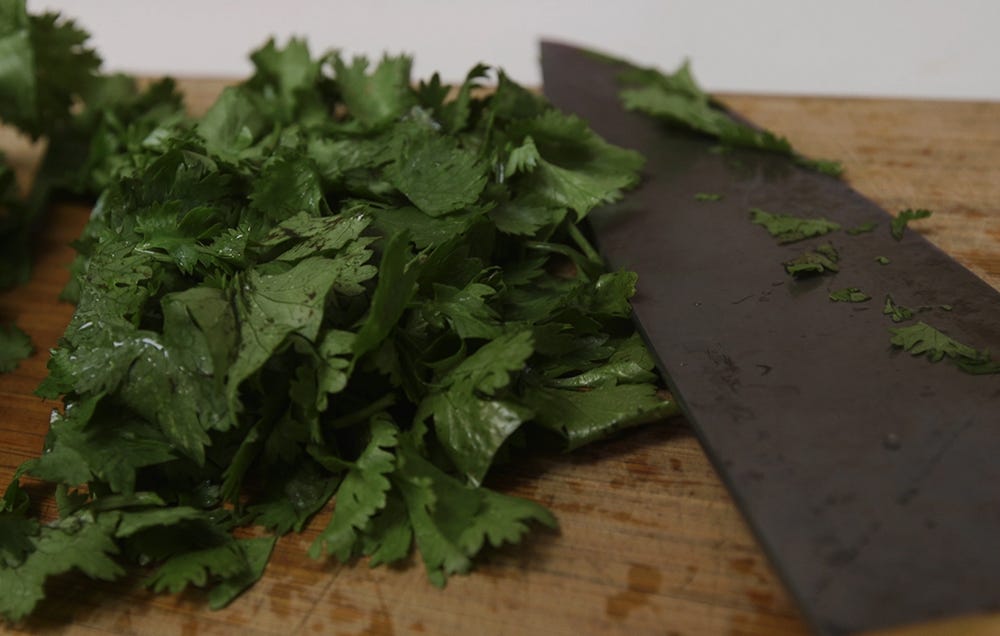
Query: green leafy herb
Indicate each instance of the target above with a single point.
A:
(15, 345)
(707, 196)
(789, 229)
(849, 295)
(922, 339)
(897, 312)
(822, 260)
(882, 260)
(276, 307)
(900, 221)
(677, 99)
(863, 228)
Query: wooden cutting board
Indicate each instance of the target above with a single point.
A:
(650, 542)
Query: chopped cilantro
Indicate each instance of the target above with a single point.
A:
(863, 228)
(276, 308)
(897, 312)
(900, 221)
(707, 196)
(882, 260)
(849, 295)
(822, 260)
(922, 339)
(789, 229)
(677, 99)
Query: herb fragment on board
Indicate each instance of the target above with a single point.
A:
(897, 312)
(922, 339)
(789, 229)
(863, 228)
(849, 295)
(901, 220)
(882, 260)
(707, 196)
(676, 99)
(822, 260)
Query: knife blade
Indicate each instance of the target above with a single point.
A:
(866, 474)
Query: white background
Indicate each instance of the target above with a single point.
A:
(917, 48)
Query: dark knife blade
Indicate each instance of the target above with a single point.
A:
(868, 475)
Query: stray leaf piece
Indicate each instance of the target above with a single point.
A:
(882, 260)
(707, 196)
(822, 260)
(923, 339)
(678, 100)
(789, 229)
(945, 307)
(864, 228)
(903, 218)
(15, 345)
(898, 313)
(849, 295)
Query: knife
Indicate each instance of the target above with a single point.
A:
(868, 475)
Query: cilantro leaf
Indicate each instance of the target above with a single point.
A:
(380, 97)
(707, 196)
(863, 228)
(225, 561)
(452, 521)
(270, 307)
(900, 221)
(389, 536)
(471, 418)
(48, 67)
(822, 260)
(256, 554)
(677, 99)
(849, 295)
(436, 174)
(569, 165)
(15, 345)
(80, 542)
(922, 339)
(361, 494)
(789, 229)
(897, 312)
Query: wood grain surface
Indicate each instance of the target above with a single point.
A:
(650, 542)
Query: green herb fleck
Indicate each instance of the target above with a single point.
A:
(849, 295)
(822, 260)
(789, 229)
(863, 228)
(706, 196)
(882, 260)
(901, 220)
(897, 312)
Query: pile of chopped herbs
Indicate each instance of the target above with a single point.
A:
(333, 285)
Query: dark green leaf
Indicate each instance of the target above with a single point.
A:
(788, 229)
